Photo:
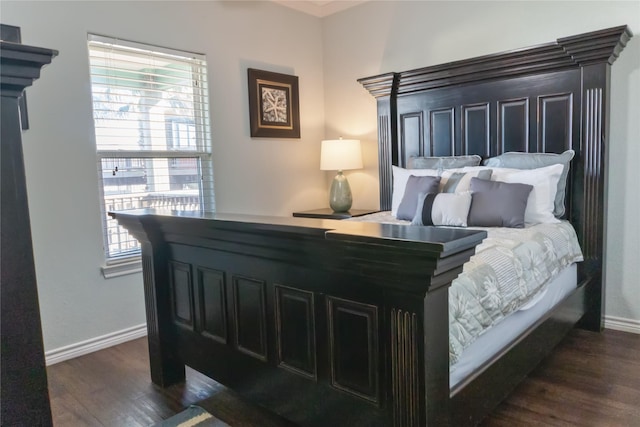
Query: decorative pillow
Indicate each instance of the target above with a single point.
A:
(415, 186)
(545, 185)
(400, 178)
(442, 209)
(447, 162)
(538, 160)
(497, 204)
(456, 181)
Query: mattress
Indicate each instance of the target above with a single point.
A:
(510, 271)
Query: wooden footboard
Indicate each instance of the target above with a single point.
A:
(319, 321)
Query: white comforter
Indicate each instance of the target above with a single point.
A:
(510, 267)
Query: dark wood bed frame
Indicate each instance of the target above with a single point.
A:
(336, 323)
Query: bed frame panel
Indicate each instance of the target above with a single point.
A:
(332, 322)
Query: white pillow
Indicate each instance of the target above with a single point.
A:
(443, 209)
(541, 201)
(400, 178)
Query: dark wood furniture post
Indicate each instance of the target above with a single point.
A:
(419, 367)
(166, 366)
(384, 88)
(595, 52)
(595, 139)
(24, 393)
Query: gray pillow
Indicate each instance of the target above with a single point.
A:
(497, 203)
(454, 180)
(534, 161)
(448, 162)
(415, 186)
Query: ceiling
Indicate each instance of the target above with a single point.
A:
(319, 8)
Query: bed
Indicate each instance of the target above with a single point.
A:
(514, 278)
(335, 322)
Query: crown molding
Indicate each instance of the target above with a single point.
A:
(602, 46)
(319, 8)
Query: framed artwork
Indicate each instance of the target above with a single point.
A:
(274, 109)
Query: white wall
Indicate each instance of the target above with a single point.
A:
(268, 176)
(385, 36)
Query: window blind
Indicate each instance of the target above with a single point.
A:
(152, 132)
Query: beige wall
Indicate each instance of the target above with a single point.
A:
(385, 36)
(267, 176)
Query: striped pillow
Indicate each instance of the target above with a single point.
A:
(456, 181)
(442, 209)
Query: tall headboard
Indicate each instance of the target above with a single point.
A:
(547, 98)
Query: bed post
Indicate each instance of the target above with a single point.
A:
(23, 389)
(166, 366)
(419, 368)
(595, 52)
(384, 88)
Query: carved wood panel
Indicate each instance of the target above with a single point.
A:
(495, 117)
(513, 125)
(212, 304)
(295, 330)
(250, 316)
(353, 347)
(555, 123)
(442, 132)
(181, 293)
(412, 135)
(476, 129)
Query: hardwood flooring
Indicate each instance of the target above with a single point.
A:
(590, 380)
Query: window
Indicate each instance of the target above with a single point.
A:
(151, 116)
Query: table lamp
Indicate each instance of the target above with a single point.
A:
(340, 155)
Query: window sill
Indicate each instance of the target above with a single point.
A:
(122, 267)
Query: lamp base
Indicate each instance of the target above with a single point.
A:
(340, 198)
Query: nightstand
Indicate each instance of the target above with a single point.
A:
(328, 213)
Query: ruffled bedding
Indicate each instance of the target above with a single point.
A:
(510, 268)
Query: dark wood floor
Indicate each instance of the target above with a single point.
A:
(590, 380)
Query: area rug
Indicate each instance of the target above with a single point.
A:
(193, 416)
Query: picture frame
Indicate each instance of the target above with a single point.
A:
(274, 107)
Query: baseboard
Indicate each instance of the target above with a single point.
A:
(622, 324)
(98, 343)
(61, 354)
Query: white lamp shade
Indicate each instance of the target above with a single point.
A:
(340, 154)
